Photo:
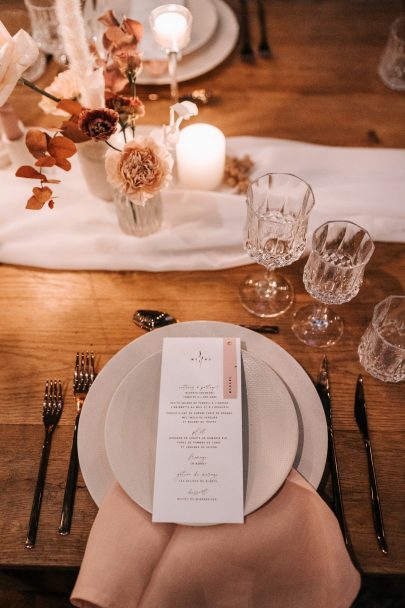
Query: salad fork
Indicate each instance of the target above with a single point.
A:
(246, 52)
(51, 412)
(83, 378)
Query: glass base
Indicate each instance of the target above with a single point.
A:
(266, 295)
(317, 326)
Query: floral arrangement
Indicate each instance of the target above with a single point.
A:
(96, 99)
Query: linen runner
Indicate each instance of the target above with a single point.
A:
(201, 230)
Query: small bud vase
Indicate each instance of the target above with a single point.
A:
(136, 219)
(92, 161)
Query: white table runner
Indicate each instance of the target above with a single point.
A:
(201, 230)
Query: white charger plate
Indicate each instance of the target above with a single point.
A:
(270, 431)
(206, 58)
(312, 432)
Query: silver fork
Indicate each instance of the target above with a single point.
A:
(83, 378)
(51, 411)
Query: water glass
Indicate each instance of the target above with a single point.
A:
(382, 346)
(333, 274)
(391, 68)
(278, 209)
(45, 28)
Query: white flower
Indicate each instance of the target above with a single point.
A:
(17, 53)
(64, 86)
(140, 170)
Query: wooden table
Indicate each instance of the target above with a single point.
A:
(320, 87)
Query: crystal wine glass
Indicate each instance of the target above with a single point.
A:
(171, 29)
(333, 274)
(278, 208)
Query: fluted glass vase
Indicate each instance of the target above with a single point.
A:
(136, 219)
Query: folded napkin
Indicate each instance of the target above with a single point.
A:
(289, 553)
(201, 230)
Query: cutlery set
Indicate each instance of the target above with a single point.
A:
(83, 377)
(247, 53)
(323, 389)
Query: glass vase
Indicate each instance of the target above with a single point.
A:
(136, 219)
(91, 156)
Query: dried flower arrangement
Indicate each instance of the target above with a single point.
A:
(96, 96)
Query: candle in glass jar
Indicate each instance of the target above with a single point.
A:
(200, 156)
(171, 30)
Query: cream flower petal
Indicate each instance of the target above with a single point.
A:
(17, 53)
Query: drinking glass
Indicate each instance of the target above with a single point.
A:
(171, 29)
(382, 346)
(278, 208)
(391, 68)
(45, 28)
(333, 274)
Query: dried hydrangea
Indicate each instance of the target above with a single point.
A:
(140, 170)
(237, 171)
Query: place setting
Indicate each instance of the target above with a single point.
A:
(218, 309)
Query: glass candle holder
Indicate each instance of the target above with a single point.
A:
(171, 29)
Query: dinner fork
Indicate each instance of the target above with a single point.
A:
(51, 411)
(246, 51)
(83, 378)
(263, 47)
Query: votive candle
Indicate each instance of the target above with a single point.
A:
(200, 156)
(171, 30)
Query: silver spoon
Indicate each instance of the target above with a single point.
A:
(153, 319)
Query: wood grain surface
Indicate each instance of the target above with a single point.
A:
(321, 87)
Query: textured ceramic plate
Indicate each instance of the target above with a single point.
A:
(312, 433)
(270, 431)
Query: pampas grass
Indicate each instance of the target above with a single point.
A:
(76, 47)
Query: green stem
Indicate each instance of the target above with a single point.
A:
(34, 87)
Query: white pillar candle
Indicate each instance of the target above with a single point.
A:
(171, 31)
(200, 156)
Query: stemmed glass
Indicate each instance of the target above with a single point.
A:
(278, 208)
(171, 29)
(333, 274)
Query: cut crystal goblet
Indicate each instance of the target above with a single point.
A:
(333, 274)
(278, 208)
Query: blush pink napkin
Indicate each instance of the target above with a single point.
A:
(288, 554)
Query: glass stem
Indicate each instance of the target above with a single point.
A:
(321, 312)
(172, 67)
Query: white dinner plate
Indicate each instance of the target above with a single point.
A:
(205, 21)
(312, 433)
(206, 58)
(270, 431)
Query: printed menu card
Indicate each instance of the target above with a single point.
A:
(199, 459)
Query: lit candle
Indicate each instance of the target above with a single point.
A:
(171, 30)
(200, 156)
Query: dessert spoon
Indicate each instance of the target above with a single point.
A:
(153, 319)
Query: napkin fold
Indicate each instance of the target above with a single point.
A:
(289, 553)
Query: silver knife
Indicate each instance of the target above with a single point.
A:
(361, 419)
(322, 386)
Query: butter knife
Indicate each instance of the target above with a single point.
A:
(361, 419)
(322, 387)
